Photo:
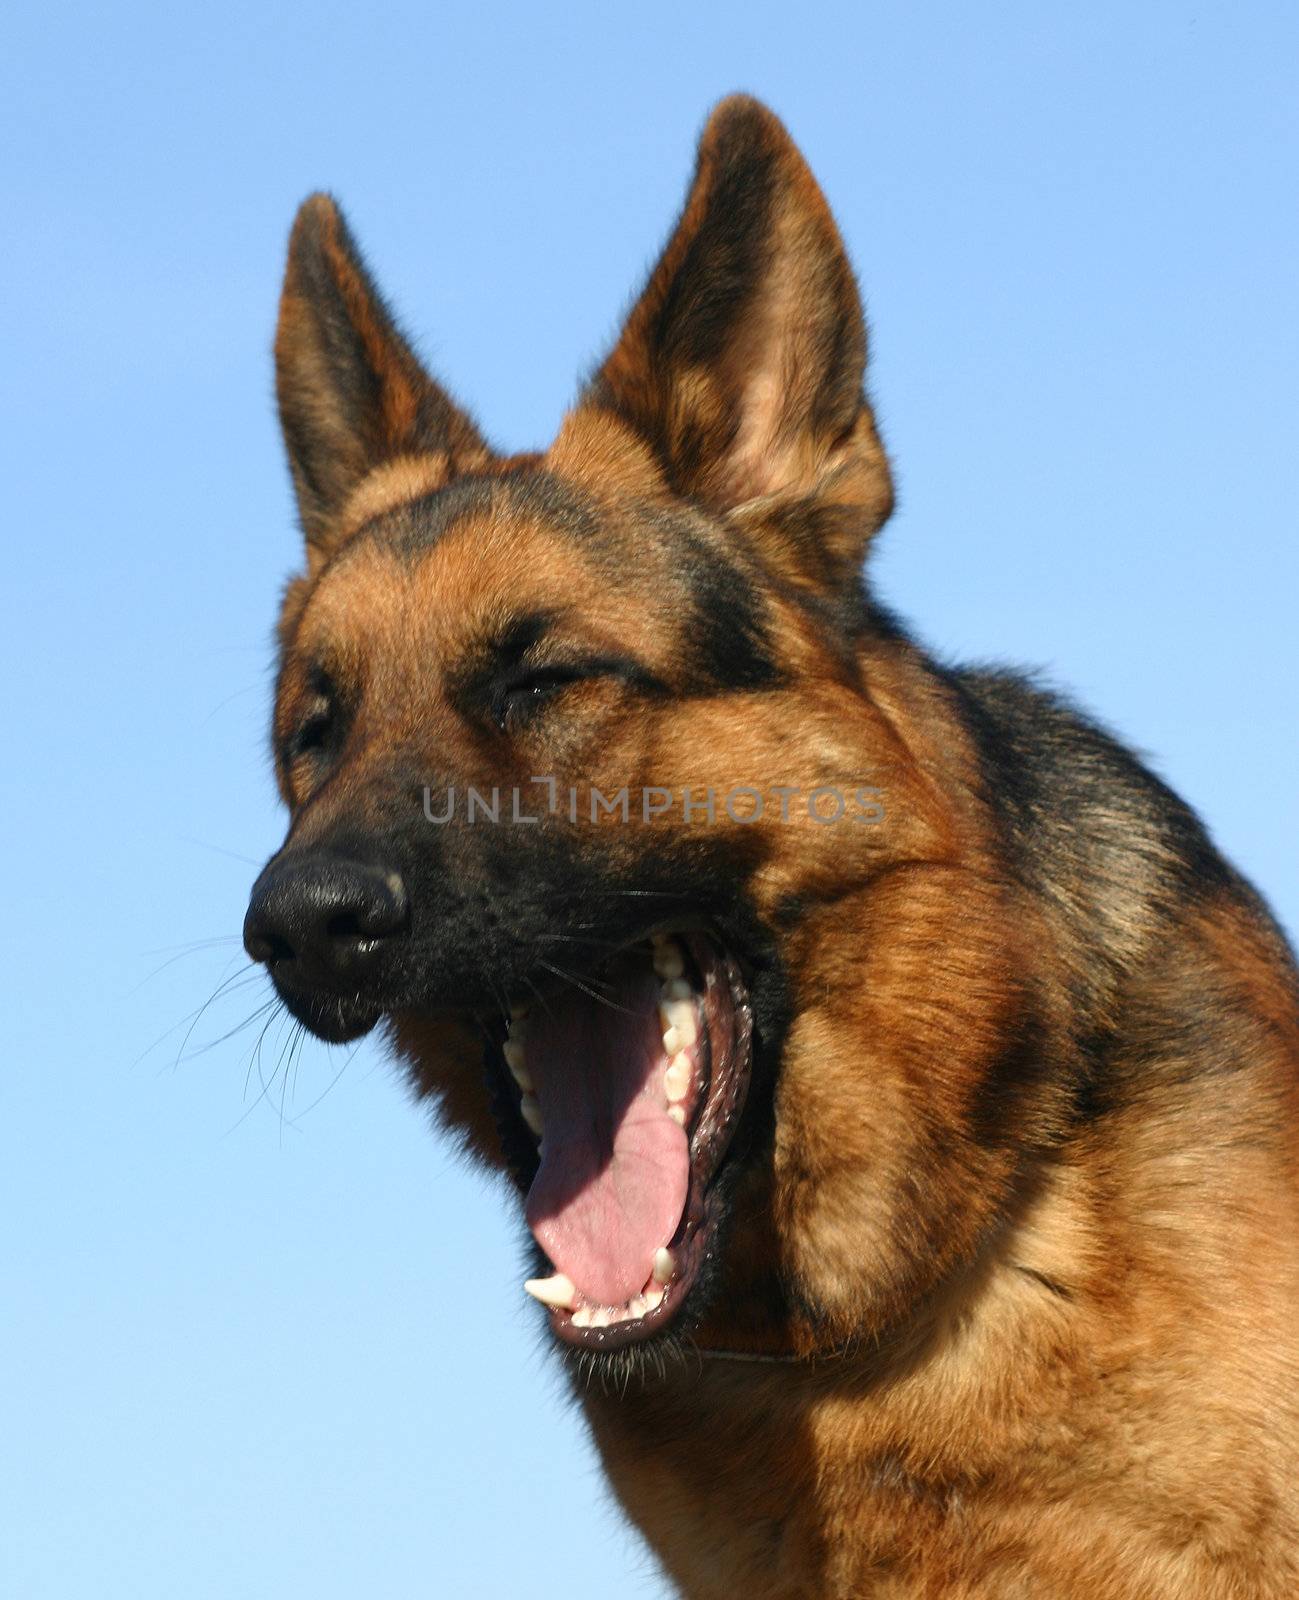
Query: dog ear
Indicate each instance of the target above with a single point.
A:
(742, 363)
(352, 395)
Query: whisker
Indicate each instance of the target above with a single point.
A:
(191, 944)
(227, 985)
(502, 999)
(198, 1015)
(200, 948)
(594, 994)
(255, 1061)
(252, 1017)
(295, 1056)
(217, 849)
(281, 1071)
(351, 1056)
(238, 694)
(657, 894)
(545, 1003)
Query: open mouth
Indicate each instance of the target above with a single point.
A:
(631, 1092)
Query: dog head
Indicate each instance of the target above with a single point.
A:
(587, 752)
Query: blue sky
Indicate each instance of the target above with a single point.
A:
(275, 1345)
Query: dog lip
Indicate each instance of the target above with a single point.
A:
(335, 1019)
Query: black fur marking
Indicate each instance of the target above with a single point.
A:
(721, 271)
(1089, 831)
(729, 634)
(416, 526)
(724, 262)
(1073, 796)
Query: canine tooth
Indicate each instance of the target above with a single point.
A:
(678, 1018)
(663, 1265)
(677, 989)
(668, 960)
(553, 1291)
(678, 1114)
(531, 1113)
(652, 1298)
(514, 1060)
(582, 1317)
(676, 1080)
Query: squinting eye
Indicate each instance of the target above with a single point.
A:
(522, 697)
(318, 728)
(314, 733)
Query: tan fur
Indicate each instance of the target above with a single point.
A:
(394, 483)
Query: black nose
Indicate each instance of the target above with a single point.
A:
(319, 918)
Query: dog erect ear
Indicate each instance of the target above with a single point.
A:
(742, 363)
(352, 394)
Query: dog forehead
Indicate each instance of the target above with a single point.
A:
(457, 566)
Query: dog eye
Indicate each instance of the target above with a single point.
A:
(317, 728)
(314, 734)
(519, 698)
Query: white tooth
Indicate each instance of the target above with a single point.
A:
(555, 1291)
(676, 1080)
(678, 1114)
(514, 1060)
(531, 1112)
(677, 989)
(602, 1317)
(671, 1041)
(637, 1306)
(653, 1298)
(678, 1017)
(663, 1265)
(668, 960)
(582, 1317)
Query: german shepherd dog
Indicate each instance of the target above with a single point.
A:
(900, 1090)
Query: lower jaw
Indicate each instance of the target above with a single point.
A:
(661, 1302)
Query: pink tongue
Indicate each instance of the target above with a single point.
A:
(615, 1168)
